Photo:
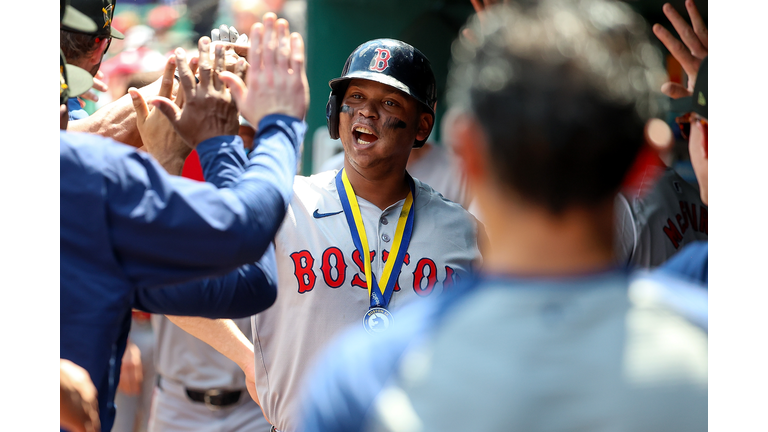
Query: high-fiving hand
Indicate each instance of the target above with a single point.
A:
(209, 110)
(690, 52)
(276, 79)
(158, 135)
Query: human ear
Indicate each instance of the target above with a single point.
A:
(470, 146)
(426, 121)
(98, 53)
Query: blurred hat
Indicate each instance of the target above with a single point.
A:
(100, 12)
(72, 18)
(698, 101)
(73, 81)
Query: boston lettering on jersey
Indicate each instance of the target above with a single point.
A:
(334, 267)
(689, 217)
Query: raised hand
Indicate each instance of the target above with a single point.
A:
(157, 133)
(208, 110)
(690, 52)
(277, 79)
(78, 406)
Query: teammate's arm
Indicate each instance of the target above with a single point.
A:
(241, 293)
(227, 338)
(116, 120)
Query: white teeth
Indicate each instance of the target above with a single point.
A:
(363, 130)
(359, 141)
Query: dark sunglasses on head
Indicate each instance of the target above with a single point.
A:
(684, 123)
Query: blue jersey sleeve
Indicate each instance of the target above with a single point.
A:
(691, 263)
(243, 292)
(167, 230)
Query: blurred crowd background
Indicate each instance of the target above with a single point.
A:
(332, 29)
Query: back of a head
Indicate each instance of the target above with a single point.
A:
(562, 90)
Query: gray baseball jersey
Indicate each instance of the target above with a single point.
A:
(657, 220)
(321, 281)
(183, 362)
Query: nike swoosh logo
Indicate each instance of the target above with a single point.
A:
(318, 215)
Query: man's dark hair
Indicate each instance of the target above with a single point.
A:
(77, 45)
(562, 90)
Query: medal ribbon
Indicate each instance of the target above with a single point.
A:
(379, 296)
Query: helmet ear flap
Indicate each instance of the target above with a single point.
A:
(332, 116)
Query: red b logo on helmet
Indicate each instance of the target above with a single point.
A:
(381, 61)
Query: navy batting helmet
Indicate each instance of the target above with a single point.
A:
(388, 61)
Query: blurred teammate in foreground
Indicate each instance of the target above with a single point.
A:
(553, 99)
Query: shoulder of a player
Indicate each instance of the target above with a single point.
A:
(430, 200)
(314, 182)
(309, 191)
(666, 329)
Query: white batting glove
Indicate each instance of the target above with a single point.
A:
(230, 34)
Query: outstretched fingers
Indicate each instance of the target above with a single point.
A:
(284, 45)
(698, 23)
(186, 76)
(166, 85)
(297, 53)
(139, 105)
(218, 61)
(269, 45)
(685, 31)
(204, 62)
(677, 49)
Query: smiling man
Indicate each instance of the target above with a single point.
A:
(356, 244)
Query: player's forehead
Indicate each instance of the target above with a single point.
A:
(375, 88)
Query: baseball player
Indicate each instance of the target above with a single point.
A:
(86, 49)
(657, 220)
(360, 243)
(546, 338)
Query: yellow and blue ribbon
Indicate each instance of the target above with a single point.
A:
(379, 297)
